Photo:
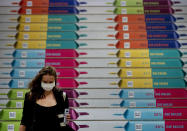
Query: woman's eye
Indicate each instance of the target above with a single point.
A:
(48, 82)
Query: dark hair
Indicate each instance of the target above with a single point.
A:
(36, 91)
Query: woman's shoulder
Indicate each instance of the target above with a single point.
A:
(28, 96)
(58, 90)
(59, 93)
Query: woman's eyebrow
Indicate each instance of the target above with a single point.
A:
(48, 81)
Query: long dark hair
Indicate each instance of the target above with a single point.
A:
(36, 91)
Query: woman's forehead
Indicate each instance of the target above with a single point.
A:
(48, 77)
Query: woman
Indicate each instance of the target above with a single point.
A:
(44, 105)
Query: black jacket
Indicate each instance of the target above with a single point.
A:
(28, 115)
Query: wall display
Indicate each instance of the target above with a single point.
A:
(94, 10)
(86, 35)
(94, 44)
(80, 18)
(117, 126)
(106, 103)
(122, 63)
(112, 114)
(55, 3)
(86, 53)
(17, 93)
(91, 27)
(102, 83)
(110, 62)
(95, 73)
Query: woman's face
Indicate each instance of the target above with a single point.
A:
(48, 82)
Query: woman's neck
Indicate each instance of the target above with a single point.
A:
(47, 93)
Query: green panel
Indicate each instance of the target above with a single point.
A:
(4, 126)
(11, 114)
(17, 93)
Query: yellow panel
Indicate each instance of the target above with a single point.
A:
(32, 35)
(134, 63)
(137, 72)
(33, 18)
(134, 53)
(32, 27)
(136, 83)
(31, 45)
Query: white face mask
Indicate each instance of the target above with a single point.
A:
(47, 86)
